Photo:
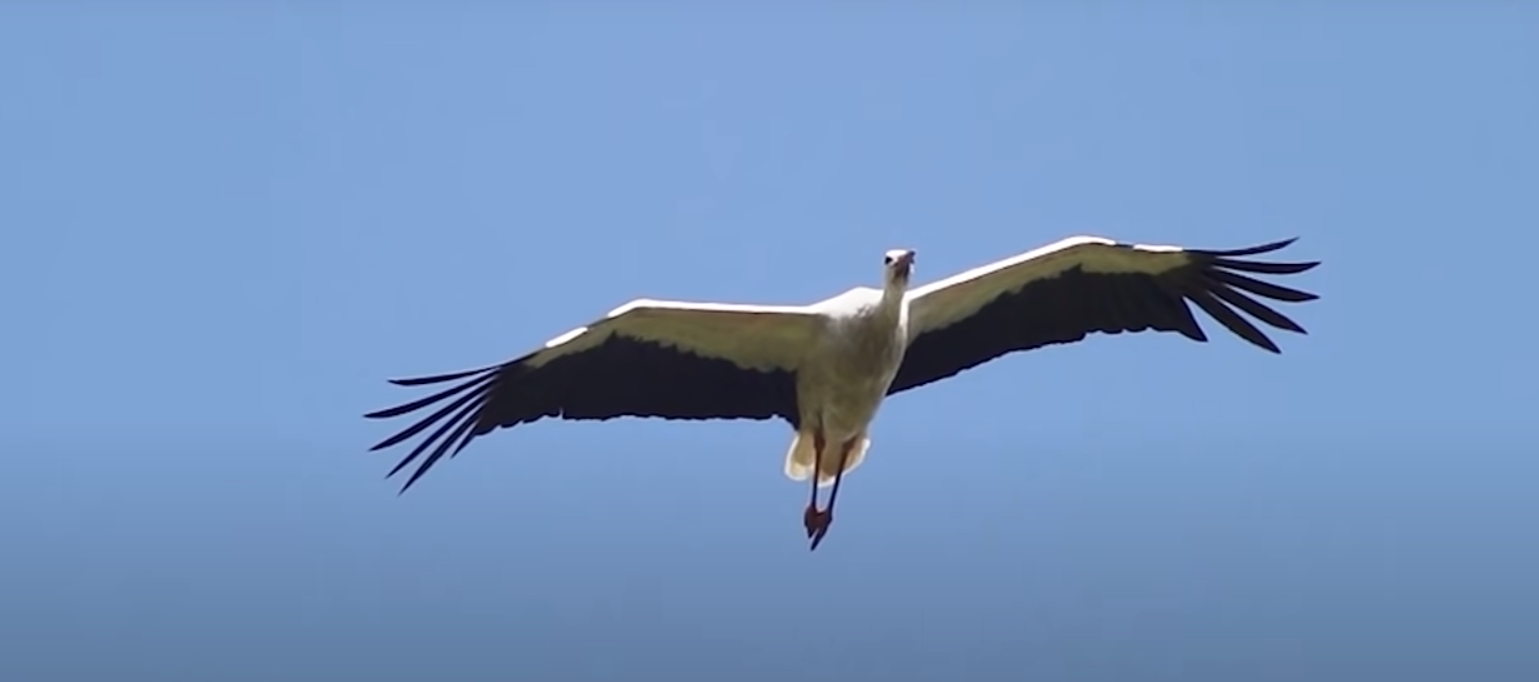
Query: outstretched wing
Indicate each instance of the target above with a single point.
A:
(1062, 292)
(674, 360)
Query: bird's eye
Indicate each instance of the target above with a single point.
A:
(887, 260)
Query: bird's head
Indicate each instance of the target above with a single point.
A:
(898, 265)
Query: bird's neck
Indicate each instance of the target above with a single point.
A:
(892, 296)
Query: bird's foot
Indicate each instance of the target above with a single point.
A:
(812, 519)
(825, 518)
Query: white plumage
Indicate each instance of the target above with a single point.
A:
(826, 368)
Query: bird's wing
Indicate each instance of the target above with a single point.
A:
(670, 359)
(1063, 291)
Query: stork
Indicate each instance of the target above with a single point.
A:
(826, 368)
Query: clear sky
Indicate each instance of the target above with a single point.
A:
(226, 225)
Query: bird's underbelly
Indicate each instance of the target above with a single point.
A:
(843, 394)
(847, 414)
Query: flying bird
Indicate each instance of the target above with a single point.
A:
(826, 368)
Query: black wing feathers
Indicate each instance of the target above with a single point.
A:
(1066, 308)
(621, 376)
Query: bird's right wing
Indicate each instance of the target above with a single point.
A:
(648, 358)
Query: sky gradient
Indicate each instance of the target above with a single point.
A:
(226, 225)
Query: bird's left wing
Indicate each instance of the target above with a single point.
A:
(647, 358)
(1062, 292)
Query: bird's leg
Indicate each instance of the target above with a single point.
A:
(826, 517)
(812, 518)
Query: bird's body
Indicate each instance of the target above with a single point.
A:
(826, 368)
(844, 378)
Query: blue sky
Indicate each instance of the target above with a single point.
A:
(226, 225)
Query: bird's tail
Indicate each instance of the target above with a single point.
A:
(800, 457)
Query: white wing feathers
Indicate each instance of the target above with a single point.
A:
(942, 303)
(759, 337)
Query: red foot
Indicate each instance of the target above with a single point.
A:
(812, 519)
(824, 520)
